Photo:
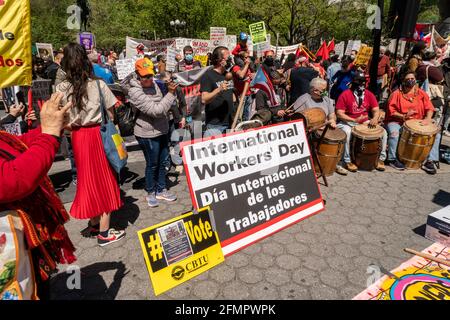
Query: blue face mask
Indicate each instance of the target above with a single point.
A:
(189, 57)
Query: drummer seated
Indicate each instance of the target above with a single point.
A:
(353, 108)
(410, 102)
(317, 98)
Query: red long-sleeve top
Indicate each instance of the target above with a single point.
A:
(21, 176)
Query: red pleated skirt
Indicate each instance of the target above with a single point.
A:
(98, 191)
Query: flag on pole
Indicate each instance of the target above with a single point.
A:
(262, 82)
(331, 45)
(323, 52)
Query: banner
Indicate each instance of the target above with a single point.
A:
(415, 279)
(286, 50)
(364, 55)
(258, 32)
(15, 43)
(256, 182)
(87, 40)
(218, 36)
(262, 47)
(189, 82)
(45, 51)
(180, 249)
(153, 47)
(203, 60)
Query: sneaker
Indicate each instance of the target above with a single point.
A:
(90, 231)
(74, 181)
(380, 166)
(113, 236)
(166, 195)
(341, 170)
(351, 167)
(437, 164)
(151, 200)
(397, 165)
(429, 167)
(446, 133)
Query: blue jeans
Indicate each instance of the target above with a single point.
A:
(347, 127)
(156, 153)
(247, 108)
(395, 130)
(175, 146)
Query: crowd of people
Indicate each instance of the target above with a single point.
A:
(336, 85)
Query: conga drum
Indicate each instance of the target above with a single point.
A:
(366, 146)
(416, 143)
(330, 150)
(315, 117)
(247, 125)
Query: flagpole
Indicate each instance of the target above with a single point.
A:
(240, 107)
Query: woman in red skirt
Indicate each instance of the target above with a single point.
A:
(98, 192)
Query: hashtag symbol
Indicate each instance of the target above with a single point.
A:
(154, 245)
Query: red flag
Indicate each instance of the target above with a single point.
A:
(331, 45)
(323, 52)
(300, 52)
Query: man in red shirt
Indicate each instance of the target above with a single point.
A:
(353, 108)
(242, 45)
(241, 75)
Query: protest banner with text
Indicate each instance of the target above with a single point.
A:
(258, 32)
(15, 43)
(256, 182)
(218, 36)
(180, 249)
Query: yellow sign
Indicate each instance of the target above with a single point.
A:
(203, 60)
(15, 43)
(180, 249)
(364, 55)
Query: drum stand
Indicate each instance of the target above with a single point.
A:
(314, 152)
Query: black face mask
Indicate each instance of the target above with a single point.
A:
(229, 64)
(269, 61)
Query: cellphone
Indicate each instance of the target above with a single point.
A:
(21, 97)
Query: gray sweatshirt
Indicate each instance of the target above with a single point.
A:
(153, 119)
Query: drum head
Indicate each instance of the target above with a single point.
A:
(333, 134)
(314, 116)
(416, 126)
(364, 132)
(246, 125)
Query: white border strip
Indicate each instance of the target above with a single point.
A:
(271, 229)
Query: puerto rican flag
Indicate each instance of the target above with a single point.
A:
(262, 82)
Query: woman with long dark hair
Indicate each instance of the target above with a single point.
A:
(98, 193)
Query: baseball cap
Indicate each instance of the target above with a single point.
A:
(144, 67)
(243, 36)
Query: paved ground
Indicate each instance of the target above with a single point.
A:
(369, 219)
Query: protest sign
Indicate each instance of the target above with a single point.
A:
(15, 43)
(200, 47)
(231, 42)
(203, 60)
(339, 49)
(41, 91)
(364, 55)
(415, 279)
(124, 68)
(260, 48)
(170, 59)
(256, 182)
(180, 249)
(45, 51)
(218, 36)
(258, 32)
(87, 40)
(348, 50)
(356, 45)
